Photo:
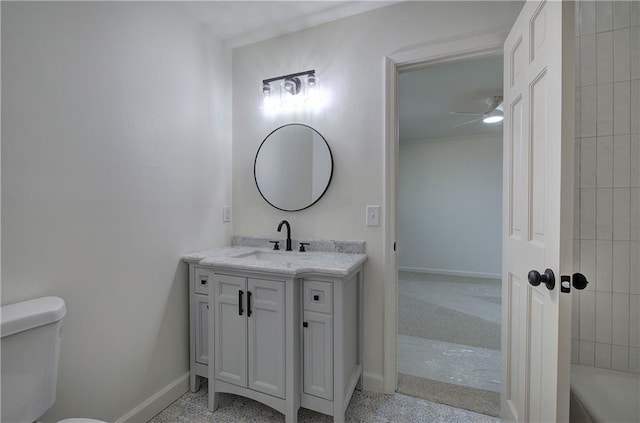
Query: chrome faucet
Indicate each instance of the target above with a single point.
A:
(284, 222)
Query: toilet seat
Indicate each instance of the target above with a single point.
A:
(80, 420)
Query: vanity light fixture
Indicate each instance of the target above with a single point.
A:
(290, 92)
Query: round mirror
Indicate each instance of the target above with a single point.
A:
(293, 167)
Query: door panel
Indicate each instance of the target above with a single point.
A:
(514, 329)
(516, 161)
(230, 330)
(202, 328)
(538, 177)
(318, 355)
(536, 342)
(538, 136)
(266, 324)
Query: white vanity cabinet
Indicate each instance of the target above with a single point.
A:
(283, 337)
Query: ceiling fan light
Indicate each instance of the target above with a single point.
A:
(494, 117)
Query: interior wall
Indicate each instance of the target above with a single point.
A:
(115, 162)
(606, 314)
(450, 206)
(348, 56)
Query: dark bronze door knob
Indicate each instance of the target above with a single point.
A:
(547, 278)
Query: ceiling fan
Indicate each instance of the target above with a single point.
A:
(493, 114)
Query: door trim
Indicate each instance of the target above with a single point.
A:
(446, 51)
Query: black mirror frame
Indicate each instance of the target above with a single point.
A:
(255, 178)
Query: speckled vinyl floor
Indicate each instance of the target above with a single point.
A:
(364, 407)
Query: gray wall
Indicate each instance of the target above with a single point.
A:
(450, 206)
(115, 161)
(605, 326)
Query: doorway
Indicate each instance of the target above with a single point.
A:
(449, 231)
(547, 66)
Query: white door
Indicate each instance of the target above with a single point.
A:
(266, 345)
(230, 325)
(537, 211)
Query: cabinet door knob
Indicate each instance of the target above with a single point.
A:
(305, 324)
(203, 282)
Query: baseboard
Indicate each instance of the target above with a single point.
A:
(450, 272)
(372, 382)
(157, 402)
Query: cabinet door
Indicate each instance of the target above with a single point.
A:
(318, 355)
(202, 329)
(230, 329)
(266, 349)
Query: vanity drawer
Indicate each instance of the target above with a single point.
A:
(202, 281)
(317, 296)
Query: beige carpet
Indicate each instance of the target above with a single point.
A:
(426, 320)
(478, 400)
(429, 321)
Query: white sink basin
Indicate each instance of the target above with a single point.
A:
(272, 256)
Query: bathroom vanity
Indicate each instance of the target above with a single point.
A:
(282, 328)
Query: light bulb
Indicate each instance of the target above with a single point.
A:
(311, 80)
(292, 85)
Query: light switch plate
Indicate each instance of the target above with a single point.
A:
(226, 214)
(373, 216)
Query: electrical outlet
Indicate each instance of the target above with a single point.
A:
(226, 214)
(373, 216)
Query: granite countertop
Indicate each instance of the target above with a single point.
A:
(282, 262)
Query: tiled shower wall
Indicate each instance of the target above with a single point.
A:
(606, 315)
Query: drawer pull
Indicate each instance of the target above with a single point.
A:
(203, 282)
(240, 310)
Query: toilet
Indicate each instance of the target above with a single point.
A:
(30, 348)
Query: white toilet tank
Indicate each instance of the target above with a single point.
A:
(30, 347)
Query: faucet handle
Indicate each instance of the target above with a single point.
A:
(276, 245)
(302, 244)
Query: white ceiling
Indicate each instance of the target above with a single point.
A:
(244, 22)
(427, 95)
